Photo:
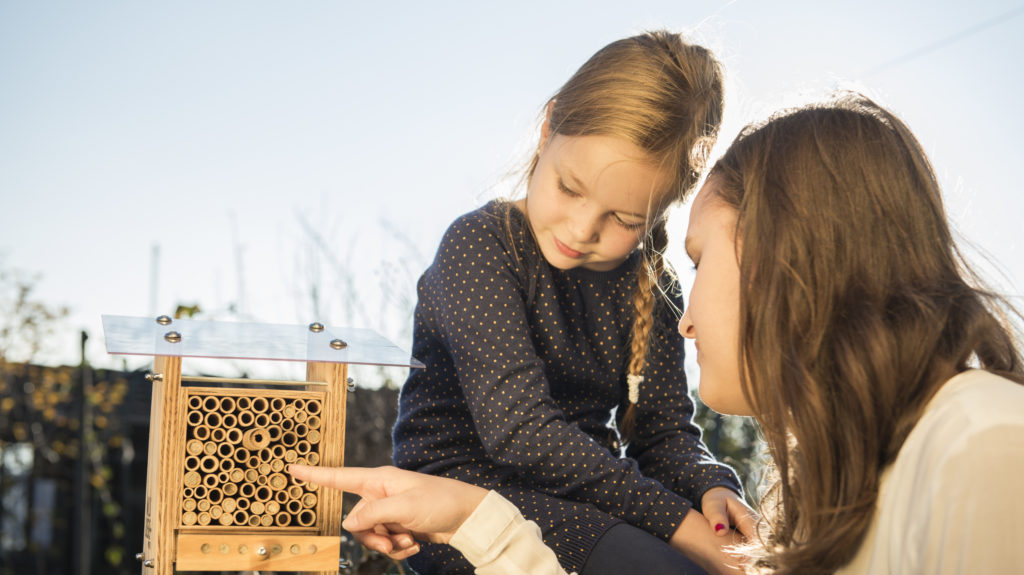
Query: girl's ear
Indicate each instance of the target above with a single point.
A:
(545, 128)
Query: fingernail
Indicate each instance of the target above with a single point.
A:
(719, 527)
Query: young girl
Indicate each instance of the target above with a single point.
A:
(539, 318)
(832, 305)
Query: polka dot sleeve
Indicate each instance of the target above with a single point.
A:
(475, 301)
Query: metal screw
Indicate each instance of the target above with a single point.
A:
(344, 564)
(140, 556)
(262, 552)
(151, 377)
(338, 344)
(164, 320)
(316, 327)
(172, 336)
(351, 384)
(147, 563)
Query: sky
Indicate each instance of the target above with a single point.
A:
(286, 162)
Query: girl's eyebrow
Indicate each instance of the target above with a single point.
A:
(568, 175)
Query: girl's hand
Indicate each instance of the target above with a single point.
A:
(696, 539)
(396, 503)
(724, 510)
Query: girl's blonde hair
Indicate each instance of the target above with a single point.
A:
(663, 95)
(855, 305)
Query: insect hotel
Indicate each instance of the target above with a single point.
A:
(218, 497)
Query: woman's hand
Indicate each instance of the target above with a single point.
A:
(396, 503)
(696, 539)
(724, 509)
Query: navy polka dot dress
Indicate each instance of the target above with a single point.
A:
(525, 364)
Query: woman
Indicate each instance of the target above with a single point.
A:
(832, 304)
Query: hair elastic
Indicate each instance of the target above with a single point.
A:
(633, 381)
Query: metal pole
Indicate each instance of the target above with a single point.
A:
(81, 535)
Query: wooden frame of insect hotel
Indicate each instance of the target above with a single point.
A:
(218, 497)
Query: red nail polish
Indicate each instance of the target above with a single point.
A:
(719, 527)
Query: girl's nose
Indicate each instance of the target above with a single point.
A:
(686, 325)
(585, 227)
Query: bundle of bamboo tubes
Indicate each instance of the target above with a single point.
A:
(236, 448)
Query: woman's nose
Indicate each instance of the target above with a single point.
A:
(686, 325)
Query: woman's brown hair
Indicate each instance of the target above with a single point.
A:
(665, 96)
(855, 307)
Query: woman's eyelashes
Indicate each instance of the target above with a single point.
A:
(629, 225)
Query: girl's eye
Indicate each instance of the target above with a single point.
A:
(629, 225)
(565, 189)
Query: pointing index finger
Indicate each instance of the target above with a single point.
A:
(350, 479)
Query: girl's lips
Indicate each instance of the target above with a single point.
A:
(566, 250)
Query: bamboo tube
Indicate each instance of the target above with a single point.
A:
(251, 475)
(261, 480)
(228, 505)
(294, 506)
(188, 505)
(313, 436)
(278, 481)
(313, 406)
(227, 404)
(260, 404)
(212, 419)
(243, 403)
(200, 493)
(275, 417)
(301, 461)
(253, 462)
(302, 447)
(226, 519)
(282, 519)
(257, 508)
(216, 512)
(203, 505)
(195, 417)
(230, 489)
(266, 520)
(274, 432)
(254, 521)
(210, 447)
(265, 455)
(309, 500)
(277, 465)
(245, 418)
(280, 497)
(272, 507)
(295, 492)
(216, 496)
(195, 402)
(313, 422)
(263, 493)
(242, 504)
(241, 455)
(226, 465)
(226, 451)
(223, 477)
(287, 424)
(189, 518)
(237, 475)
(218, 434)
(290, 456)
(194, 447)
(262, 420)
(247, 490)
(210, 481)
(306, 518)
(188, 493)
(289, 411)
(211, 403)
(312, 458)
(191, 464)
(204, 518)
(289, 439)
(301, 430)
(301, 416)
(228, 420)
(208, 464)
(240, 517)
(192, 478)
(255, 439)
(278, 452)
(234, 436)
(277, 404)
(201, 432)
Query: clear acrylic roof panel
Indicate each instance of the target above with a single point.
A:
(241, 340)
